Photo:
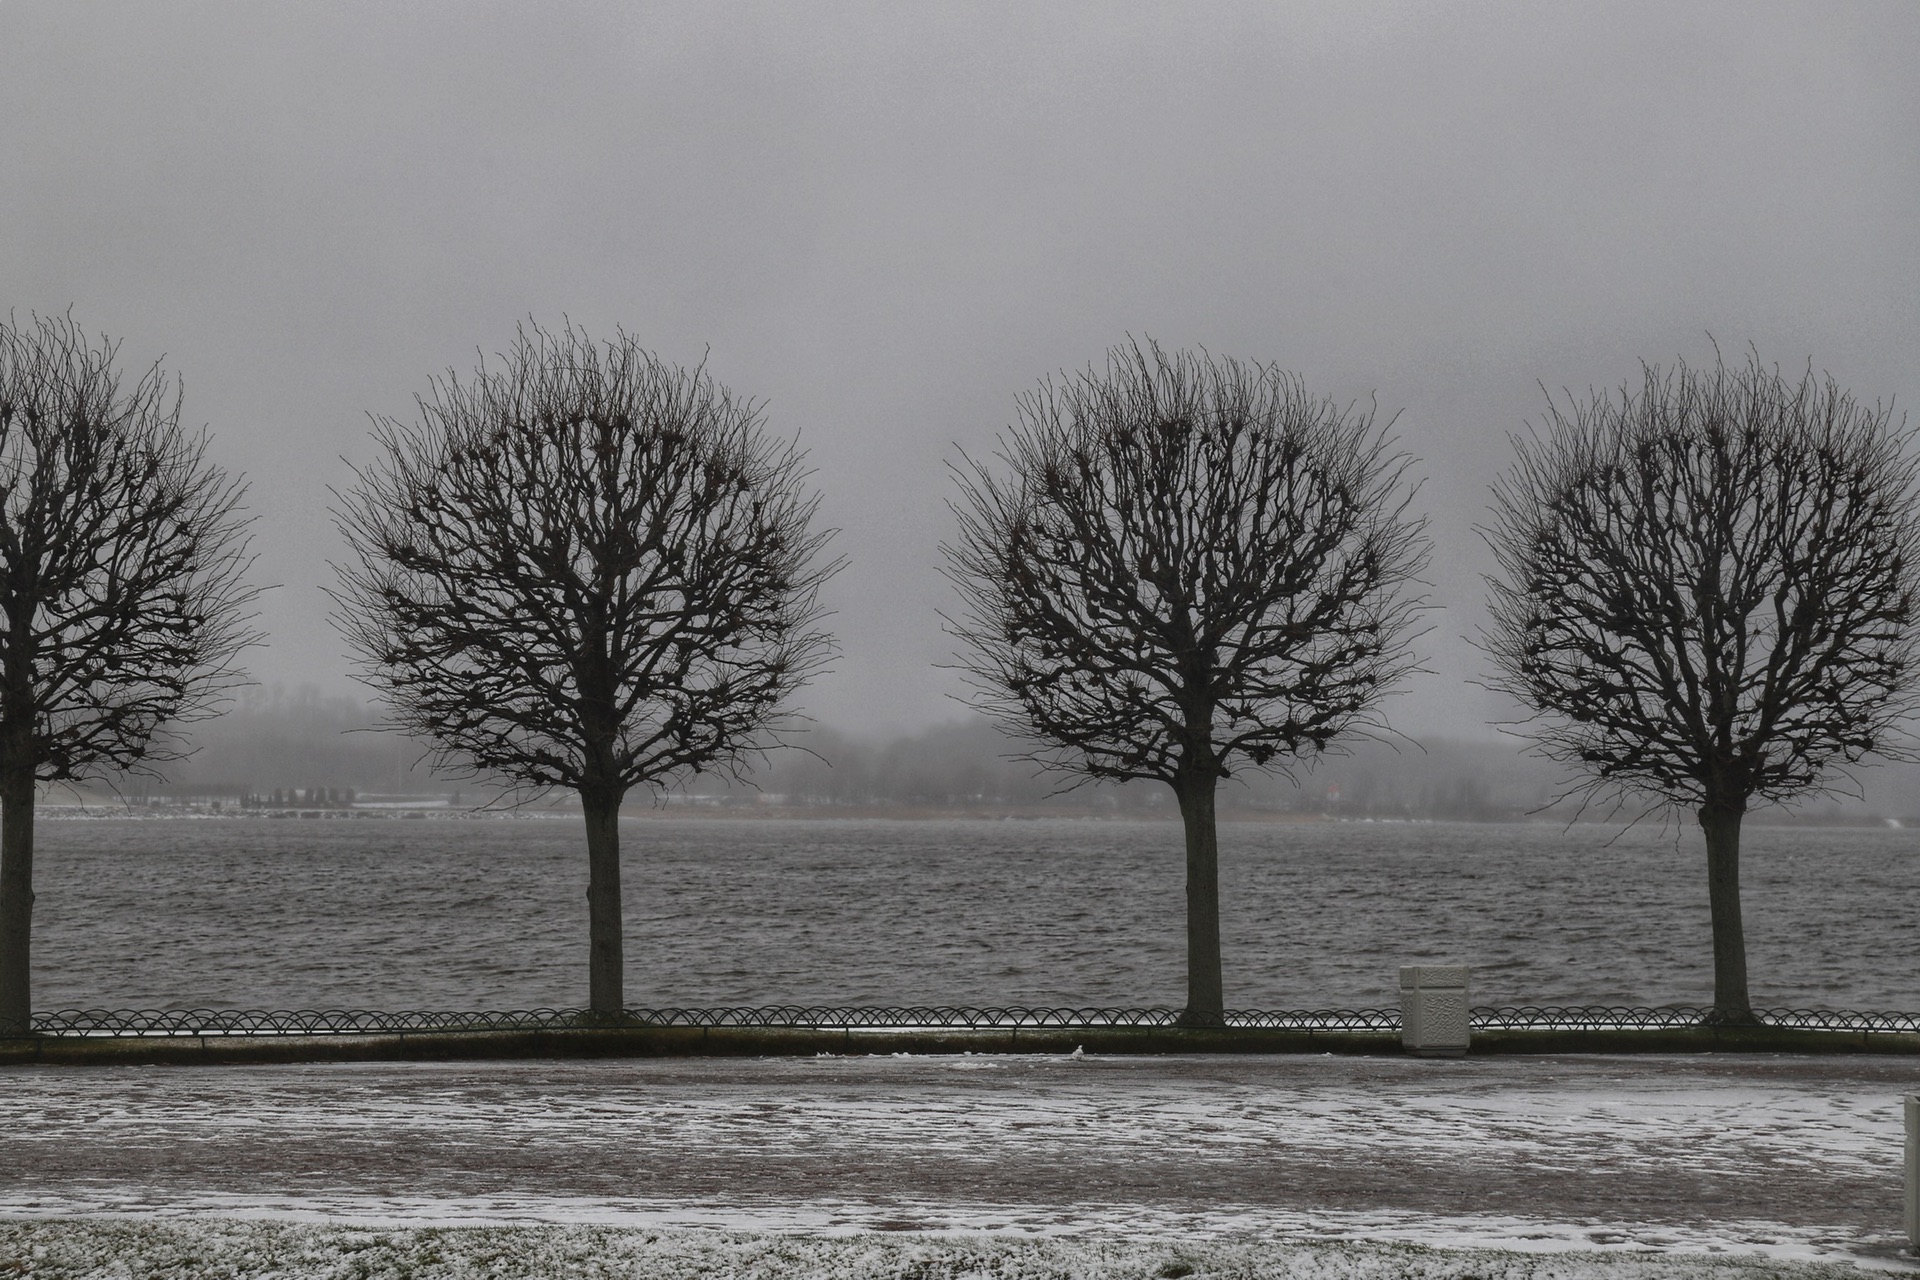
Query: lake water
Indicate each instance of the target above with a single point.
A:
(491, 914)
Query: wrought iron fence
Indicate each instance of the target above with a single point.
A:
(1622, 1018)
(323, 1022)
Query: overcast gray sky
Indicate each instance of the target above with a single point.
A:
(886, 221)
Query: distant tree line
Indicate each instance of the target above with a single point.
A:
(272, 736)
(963, 765)
(973, 765)
(274, 739)
(580, 568)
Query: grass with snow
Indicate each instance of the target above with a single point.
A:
(230, 1249)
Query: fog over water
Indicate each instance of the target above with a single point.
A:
(888, 223)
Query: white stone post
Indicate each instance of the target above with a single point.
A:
(1433, 1010)
(1913, 1172)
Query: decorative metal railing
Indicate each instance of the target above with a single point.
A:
(228, 1022)
(1620, 1018)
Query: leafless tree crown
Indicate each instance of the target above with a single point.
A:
(123, 604)
(1707, 584)
(1184, 562)
(583, 567)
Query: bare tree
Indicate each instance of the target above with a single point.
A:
(584, 568)
(122, 601)
(1187, 566)
(1706, 594)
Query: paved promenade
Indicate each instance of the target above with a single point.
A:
(1792, 1157)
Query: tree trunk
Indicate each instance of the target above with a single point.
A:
(1721, 824)
(606, 962)
(1205, 997)
(16, 888)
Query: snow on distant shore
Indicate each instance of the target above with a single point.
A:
(233, 1248)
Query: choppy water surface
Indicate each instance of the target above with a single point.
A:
(448, 914)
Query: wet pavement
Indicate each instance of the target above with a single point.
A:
(1798, 1156)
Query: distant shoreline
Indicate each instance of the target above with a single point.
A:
(119, 810)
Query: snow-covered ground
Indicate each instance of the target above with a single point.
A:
(227, 1248)
(989, 1165)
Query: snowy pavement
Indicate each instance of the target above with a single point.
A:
(1788, 1158)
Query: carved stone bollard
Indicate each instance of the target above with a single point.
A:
(1913, 1172)
(1433, 1010)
